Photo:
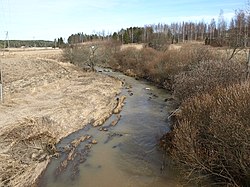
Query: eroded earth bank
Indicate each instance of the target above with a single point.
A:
(44, 101)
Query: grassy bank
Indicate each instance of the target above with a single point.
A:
(210, 137)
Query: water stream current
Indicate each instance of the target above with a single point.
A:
(124, 155)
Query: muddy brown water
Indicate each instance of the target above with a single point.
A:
(126, 154)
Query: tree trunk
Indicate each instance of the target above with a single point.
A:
(248, 65)
(1, 86)
(183, 33)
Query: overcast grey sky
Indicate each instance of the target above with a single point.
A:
(49, 19)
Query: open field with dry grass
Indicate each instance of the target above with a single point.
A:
(44, 101)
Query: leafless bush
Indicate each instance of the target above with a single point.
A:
(127, 59)
(78, 55)
(158, 66)
(211, 138)
(206, 76)
(167, 65)
(107, 51)
(159, 43)
(163, 67)
(82, 55)
(100, 54)
(194, 54)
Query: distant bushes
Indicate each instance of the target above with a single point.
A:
(157, 66)
(90, 55)
(205, 76)
(78, 55)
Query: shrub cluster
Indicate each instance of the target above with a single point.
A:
(78, 55)
(158, 66)
(91, 55)
(205, 76)
(212, 135)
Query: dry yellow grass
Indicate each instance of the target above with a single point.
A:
(135, 46)
(44, 101)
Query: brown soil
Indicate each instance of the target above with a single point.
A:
(44, 101)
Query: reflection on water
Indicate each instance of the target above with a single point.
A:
(125, 155)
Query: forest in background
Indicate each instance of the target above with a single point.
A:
(216, 33)
(25, 43)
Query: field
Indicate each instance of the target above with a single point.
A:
(44, 101)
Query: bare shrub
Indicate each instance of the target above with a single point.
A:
(163, 68)
(67, 55)
(147, 63)
(160, 67)
(205, 76)
(106, 52)
(194, 54)
(135, 60)
(78, 55)
(126, 59)
(147, 58)
(159, 43)
(167, 65)
(84, 56)
(211, 138)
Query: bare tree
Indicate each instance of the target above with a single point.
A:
(237, 37)
(92, 57)
(222, 25)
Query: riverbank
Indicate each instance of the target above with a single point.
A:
(44, 101)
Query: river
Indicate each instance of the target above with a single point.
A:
(122, 155)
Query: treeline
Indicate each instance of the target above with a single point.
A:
(81, 37)
(216, 33)
(25, 43)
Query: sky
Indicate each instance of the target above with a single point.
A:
(50, 19)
